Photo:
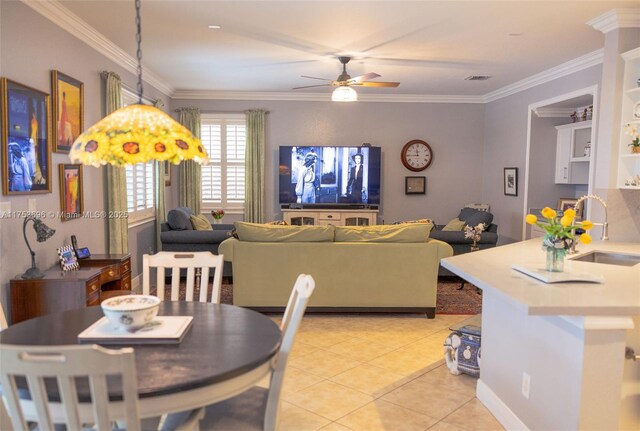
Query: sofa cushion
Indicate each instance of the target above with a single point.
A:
(454, 225)
(409, 232)
(179, 218)
(254, 232)
(200, 222)
(480, 217)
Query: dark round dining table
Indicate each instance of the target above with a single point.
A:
(226, 351)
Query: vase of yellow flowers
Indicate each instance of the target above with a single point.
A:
(560, 234)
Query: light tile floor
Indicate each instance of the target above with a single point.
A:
(370, 372)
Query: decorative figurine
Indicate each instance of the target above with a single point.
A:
(574, 116)
(584, 115)
(590, 113)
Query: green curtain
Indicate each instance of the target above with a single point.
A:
(189, 192)
(161, 209)
(118, 228)
(254, 167)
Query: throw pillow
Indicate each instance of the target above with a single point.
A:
(465, 213)
(454, 225)
(278, 223)
(421, 220)
(480, 217)
(410, 232)
(179, 219)
(278, 233)
(200, 222)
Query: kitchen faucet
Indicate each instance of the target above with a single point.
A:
(605, 224)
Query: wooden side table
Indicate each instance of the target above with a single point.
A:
(100, 276)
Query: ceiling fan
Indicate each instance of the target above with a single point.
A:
(343, 92)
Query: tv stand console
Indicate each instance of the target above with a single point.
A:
(336, 217)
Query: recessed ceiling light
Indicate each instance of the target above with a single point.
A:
(214, 27)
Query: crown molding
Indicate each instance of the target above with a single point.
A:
(553, 112)
(321, 97)
(615, 19)
(577, 64)
(67, 20)
(64, 18)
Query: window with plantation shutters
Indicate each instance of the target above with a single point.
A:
(224, 138)
(140, 180)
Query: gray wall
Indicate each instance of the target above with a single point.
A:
(27, 57)
(454, 132)
(505, 136)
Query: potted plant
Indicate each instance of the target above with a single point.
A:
(631, 129)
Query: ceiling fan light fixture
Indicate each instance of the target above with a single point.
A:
(344, 93)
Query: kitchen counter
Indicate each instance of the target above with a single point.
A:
(552, 354)
(618, 295)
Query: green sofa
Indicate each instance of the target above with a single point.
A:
(392, 268)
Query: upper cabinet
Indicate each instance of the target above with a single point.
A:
(628, 161)
(573, 153)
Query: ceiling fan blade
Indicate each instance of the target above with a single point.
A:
(364, 77)
(376, 84)
(313, 77)
(309, 86)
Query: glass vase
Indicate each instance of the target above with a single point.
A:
(555, 259)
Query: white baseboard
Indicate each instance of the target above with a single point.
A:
(498, 408)
(136, 284)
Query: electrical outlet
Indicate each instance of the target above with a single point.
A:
(32, 205)
(526, 385)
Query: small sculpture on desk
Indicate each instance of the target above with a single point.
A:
(574, 116)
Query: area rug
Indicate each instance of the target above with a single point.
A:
(450, 300)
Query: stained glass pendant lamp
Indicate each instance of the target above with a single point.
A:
(137, 133)
(344, 93)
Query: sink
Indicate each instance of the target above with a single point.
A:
(609, 258)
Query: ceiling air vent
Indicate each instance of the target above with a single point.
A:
(477, 78)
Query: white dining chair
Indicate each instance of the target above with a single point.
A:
(257, 408)
(64, 365)
(197, 264)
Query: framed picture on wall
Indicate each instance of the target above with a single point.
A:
(25, 140)
(415, 185)
(511, 181)
(68, 110)
(71, 196)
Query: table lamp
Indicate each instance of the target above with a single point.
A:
(43, 233)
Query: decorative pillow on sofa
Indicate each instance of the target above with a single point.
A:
(480, 217)
(421, 220)
(255, 232)
(179, 218)
(200, 222)
(454, 225)
(410, 232)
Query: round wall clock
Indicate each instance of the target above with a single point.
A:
(416, 155)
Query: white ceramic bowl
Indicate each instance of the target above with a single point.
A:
(130, 312)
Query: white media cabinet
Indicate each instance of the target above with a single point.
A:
(336, 217)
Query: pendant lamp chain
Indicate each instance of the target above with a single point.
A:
(139, 52)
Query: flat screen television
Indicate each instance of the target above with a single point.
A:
(315, 176)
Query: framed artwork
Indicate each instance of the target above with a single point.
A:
(67, 257)
(67, 109)
(167, 173)
(71, 197)
(511, 181)
(566, 203)
(415, 185)
(25, 140)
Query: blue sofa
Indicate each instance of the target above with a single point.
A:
(177, 234)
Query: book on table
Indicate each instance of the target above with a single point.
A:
(162, 330)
